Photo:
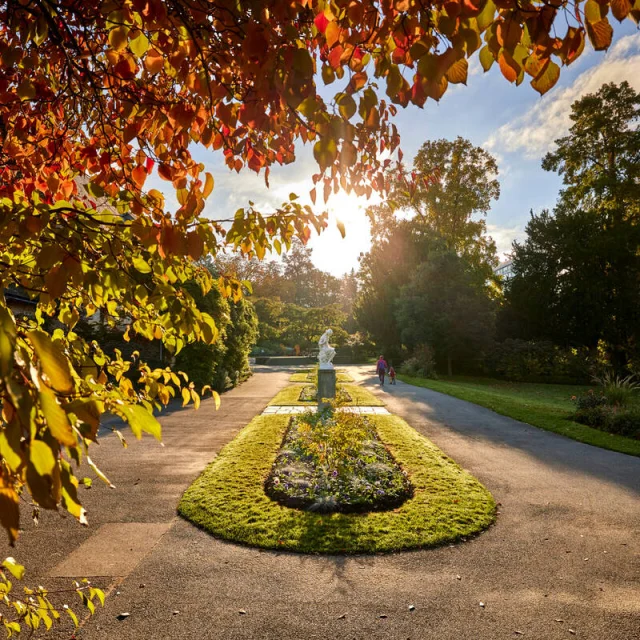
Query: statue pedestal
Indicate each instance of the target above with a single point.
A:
(326, 386)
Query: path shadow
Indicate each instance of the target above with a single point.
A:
(431, 411)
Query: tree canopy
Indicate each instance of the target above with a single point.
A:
(577, 273)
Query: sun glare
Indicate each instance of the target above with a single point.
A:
(339, 255)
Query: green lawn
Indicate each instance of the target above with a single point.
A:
(228, 499)
(360, 397)
(547, 406)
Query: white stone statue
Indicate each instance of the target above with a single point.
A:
(326, 350)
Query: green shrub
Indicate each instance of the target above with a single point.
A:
(422, 363)
(625, 423)
(598, 417)
(537, 361)
(590, 400)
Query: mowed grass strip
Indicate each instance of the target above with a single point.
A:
(310, 376)
(360, 397)
(547, 406)
(228, 499)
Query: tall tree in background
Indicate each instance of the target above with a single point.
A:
(446, 305)
(577, 274)
(456, 183)
(443, 215)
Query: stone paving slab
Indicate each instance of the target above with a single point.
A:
(295, 409)
(115, 549)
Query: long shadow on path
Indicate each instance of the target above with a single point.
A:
(434, 413)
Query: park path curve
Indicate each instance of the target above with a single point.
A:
(561, 561)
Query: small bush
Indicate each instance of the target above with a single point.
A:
(625, 423)
(598, 417)
(618, 391)
(590, 400)
(421, 363)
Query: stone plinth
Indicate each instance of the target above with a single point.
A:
(326, 386)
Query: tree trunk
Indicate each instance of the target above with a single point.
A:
(449, 366)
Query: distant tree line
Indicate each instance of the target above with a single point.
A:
(295, 302)
(428, 292)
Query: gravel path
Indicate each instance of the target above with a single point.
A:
(561, 561)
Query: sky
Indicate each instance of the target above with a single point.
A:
(513, 123)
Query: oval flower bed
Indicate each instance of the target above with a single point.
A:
(229, 501)
(336, 463)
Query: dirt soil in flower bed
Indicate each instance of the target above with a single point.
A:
(373, 481)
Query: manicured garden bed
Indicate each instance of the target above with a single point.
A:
(359, 397)
(310, 394)
(229, 500)
(309, 375)
(547, 406)
(364, 478)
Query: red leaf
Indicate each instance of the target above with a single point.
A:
(321, 22)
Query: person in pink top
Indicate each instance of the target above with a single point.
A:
(392, 374)
(381, 369)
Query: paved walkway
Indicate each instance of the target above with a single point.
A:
(561, 562)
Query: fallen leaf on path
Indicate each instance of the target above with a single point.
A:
(519, 633)
(382, 616)
(482, 604)
(123, 616)
(571, 631)
(342, 617)
(412, 607)
(458, 578)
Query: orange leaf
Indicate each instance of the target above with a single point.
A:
(509, 67)
(154, 61)
(457, 73)
(139, 175)
(600, 34)
(332, 34)
(546, 78)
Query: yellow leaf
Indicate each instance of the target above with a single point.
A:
(457, 73)
(341, 229)
(118, 37)
(486, 58)
(546, 78)
(139, 44)
(56, 418)
(16, 569)
(10, 512)
(140, 420)
(185, 396)
(42, 457)
(208, 186)
(7, 341)
(53, 362)
(216, 399)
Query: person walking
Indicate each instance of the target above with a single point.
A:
(392, 374)
(381, 369)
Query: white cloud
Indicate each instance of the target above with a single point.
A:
(535, 131)
(504, 237)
